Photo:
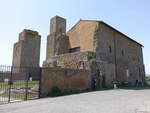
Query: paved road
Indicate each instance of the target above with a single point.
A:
(110, 101)
(4, 100)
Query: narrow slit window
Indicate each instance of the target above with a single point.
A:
(110, 49)
(122, 52)
(76, 49)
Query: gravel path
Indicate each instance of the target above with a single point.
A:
(110, 101)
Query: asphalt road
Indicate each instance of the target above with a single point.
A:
(110, 101)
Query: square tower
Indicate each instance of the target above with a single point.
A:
(26, 52)
(57, 40)
(57, 25)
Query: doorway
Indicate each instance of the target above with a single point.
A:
(103, 82)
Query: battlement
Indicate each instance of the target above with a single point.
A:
(26, 33)
(27, 49)
(57, 25)
(30, 31)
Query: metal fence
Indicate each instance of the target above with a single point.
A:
(19, 84)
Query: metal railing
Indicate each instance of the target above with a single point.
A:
(19, 84)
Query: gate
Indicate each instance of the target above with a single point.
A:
(19, 84)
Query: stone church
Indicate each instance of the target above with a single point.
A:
(107, 55)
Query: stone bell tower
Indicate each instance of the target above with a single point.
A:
(57, 25)
(57, 41)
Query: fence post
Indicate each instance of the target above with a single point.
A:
(10, 83)
(26, 87)
(40, 77)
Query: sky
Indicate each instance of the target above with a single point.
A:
(131, 17)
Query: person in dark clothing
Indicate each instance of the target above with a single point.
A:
(93, 82)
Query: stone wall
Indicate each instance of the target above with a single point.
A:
(81, 35)
(103, 72)
(129, 56)
(17, 49)
(57, 44)
(65, 79)
(70, 60)
(21, 74)
(85, 60)
(110, 46)
(15, 76)
(109, 74)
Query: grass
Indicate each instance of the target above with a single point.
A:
(146, 85)
(20, 96)
(147, 81)
(18, 85)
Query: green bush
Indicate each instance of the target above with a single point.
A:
(55, 91)
(91, 58)
(147, 81)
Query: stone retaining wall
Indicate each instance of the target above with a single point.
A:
(65, 79)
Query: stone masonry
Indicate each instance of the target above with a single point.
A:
(110, 46)
(114, 57)
(26, 53)
(57, 40)
(91, 49)
(65, 79)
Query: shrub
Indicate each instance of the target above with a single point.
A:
(55, 91)
(91, 58)
(147, 81)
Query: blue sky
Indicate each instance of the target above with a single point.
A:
(131, 17)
